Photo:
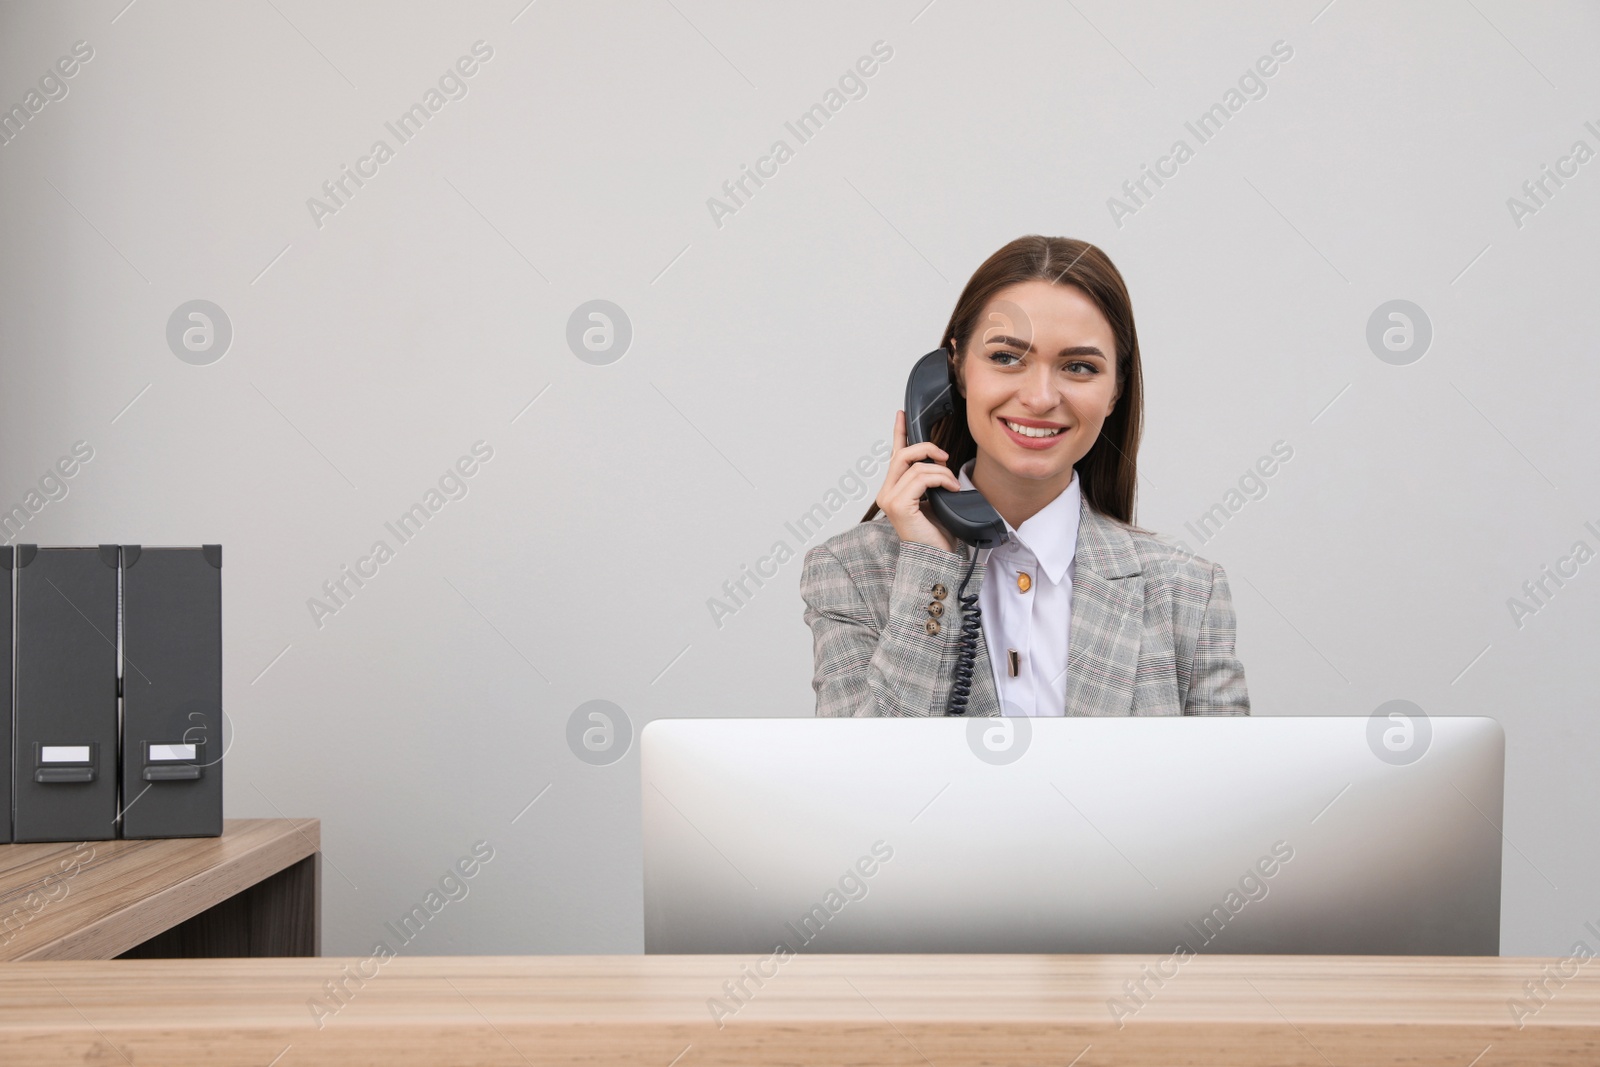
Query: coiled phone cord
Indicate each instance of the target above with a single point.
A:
(967, 644)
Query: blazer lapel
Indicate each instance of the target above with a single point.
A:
(1107, 618)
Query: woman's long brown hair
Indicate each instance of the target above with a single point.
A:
(1107, 472)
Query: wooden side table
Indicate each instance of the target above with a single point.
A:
(254, 891)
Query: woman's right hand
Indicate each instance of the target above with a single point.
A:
(907, 479)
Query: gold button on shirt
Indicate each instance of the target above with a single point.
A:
(1024, 583)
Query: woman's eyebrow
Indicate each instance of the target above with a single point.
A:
(1027, 346)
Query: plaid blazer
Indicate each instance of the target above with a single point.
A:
(1152, 626)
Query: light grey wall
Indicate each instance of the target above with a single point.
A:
(373, 346)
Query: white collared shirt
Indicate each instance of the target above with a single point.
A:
(1038, 622)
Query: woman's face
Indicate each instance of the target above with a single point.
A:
(1040, 359)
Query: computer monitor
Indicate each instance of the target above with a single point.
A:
(1254, 834)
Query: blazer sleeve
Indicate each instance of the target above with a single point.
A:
(1216, 677)
(898, 669)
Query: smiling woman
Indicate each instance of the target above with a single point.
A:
(1086, 614)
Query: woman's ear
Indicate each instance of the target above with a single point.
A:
(955, 369)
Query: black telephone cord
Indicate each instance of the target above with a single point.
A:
(967, 644)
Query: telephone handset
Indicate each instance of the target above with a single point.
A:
(965, 513)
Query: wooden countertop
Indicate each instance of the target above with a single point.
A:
(945, 1010)
(95, 899)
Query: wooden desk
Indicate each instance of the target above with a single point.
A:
(517, 1011)
(254, 891)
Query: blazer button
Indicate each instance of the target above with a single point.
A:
(935, 608)
(939, 591)
(932, 627)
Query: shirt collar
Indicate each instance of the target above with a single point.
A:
(1051, 533)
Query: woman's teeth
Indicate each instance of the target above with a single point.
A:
(1030, 431)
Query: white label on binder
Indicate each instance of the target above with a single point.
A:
(63, 753)
(161, 752)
